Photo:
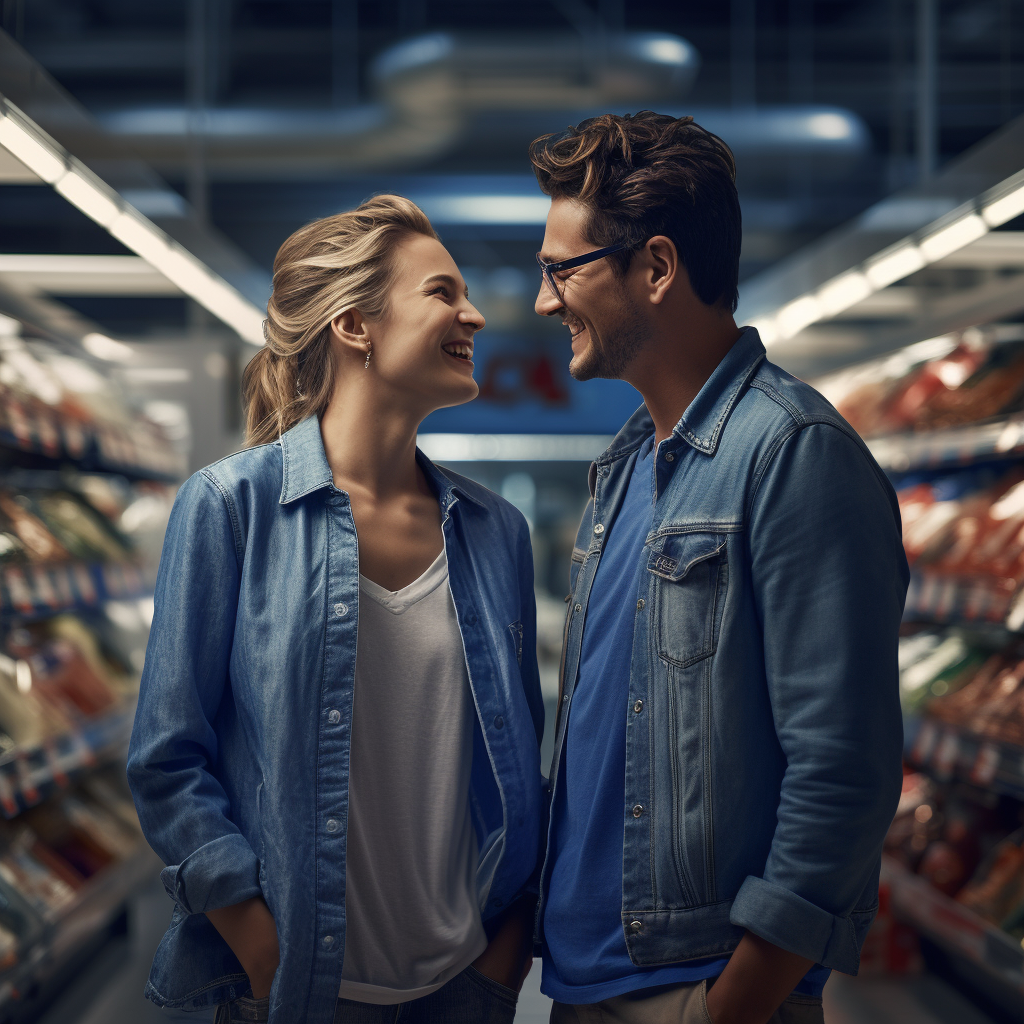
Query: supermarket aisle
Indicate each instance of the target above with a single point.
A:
(109, 990)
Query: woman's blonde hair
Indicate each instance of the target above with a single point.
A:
(333, 264)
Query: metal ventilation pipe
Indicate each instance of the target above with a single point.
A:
(426, 91)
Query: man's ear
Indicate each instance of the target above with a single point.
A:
(350, 330)
(662, 267)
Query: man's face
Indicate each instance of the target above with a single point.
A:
(605, 321)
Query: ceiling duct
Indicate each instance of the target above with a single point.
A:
(426, 93)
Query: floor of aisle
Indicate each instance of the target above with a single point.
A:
(109, 990)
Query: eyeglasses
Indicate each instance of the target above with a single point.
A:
(548, 270)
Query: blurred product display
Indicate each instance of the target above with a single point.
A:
(942, 417)
(75, 457)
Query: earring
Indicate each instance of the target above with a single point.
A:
(369, 351)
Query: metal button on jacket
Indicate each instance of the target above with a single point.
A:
(499, 722)
(333, 825)
(334, 716)
(638, 706)
(341, 609)
(599, 529)
(669, 457)
(638, 809)
(635, 926)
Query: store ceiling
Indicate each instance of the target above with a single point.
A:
(231, 122)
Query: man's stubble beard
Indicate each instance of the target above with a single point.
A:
(620, 348)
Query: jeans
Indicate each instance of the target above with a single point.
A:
(674, 1004)
(469, 998)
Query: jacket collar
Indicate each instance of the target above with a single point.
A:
(702, 422)
(306, 468)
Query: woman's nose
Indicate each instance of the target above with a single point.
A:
(474, 317)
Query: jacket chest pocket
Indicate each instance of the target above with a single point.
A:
(690, 573)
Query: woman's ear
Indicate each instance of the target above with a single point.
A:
(351, 330)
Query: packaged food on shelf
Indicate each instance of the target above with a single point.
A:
(53, 403)
(933, 664)
(61, 673)
(27, 718)
(996, 893)
(46, 880)
(946, 382)
(965, 842)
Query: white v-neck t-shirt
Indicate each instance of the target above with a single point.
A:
(412, 913)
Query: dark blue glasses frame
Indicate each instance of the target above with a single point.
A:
(548, 270)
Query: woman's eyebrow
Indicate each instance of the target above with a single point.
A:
(447, 279)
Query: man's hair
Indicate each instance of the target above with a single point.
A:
(647, 174)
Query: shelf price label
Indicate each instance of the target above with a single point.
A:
(926, 741)
(7, 798)
(947, 754)
(986, 764)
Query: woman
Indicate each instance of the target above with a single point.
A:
(336, 745)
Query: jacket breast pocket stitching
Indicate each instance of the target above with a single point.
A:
(690, 603)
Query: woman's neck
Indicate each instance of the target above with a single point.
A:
(369, 439)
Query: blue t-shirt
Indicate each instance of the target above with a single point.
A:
(586, 958)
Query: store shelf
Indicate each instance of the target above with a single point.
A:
(36, 429)
(99, 901)
(948, 752)
(933, 597)
(957, 446)
(953, 927)
(32, 591)
(28, 775)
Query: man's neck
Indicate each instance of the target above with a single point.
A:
(674, 365)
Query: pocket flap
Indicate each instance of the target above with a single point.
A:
(673, 555)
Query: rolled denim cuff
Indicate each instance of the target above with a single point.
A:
(223, 872)
(785, 919)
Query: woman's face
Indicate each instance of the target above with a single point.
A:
(423, 346)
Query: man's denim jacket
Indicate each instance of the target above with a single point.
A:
(239, 756)
(763, 729)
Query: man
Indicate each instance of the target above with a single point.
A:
(727, 758)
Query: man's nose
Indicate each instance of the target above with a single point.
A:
(546, 303)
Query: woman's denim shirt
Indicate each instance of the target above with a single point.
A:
(240, 752)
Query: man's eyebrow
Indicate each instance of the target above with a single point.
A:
(447, 278)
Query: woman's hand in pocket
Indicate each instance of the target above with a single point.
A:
(249, 929)
(509, 954)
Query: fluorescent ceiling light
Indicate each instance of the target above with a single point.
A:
(513, 447)
(955, 236)
(92, 201)
(140, 237)
(158, 374)
(829, 126)
(37, 157)
(1004, 209)
(844, 291)
(665, 50)
(106, 348)
(895, 265)
(798, 314)
(492, 209)
(767, 330)
(48, 160)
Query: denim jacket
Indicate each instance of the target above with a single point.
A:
(239, 756)
(763, 729)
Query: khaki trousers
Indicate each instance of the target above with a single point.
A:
(674, 1004)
